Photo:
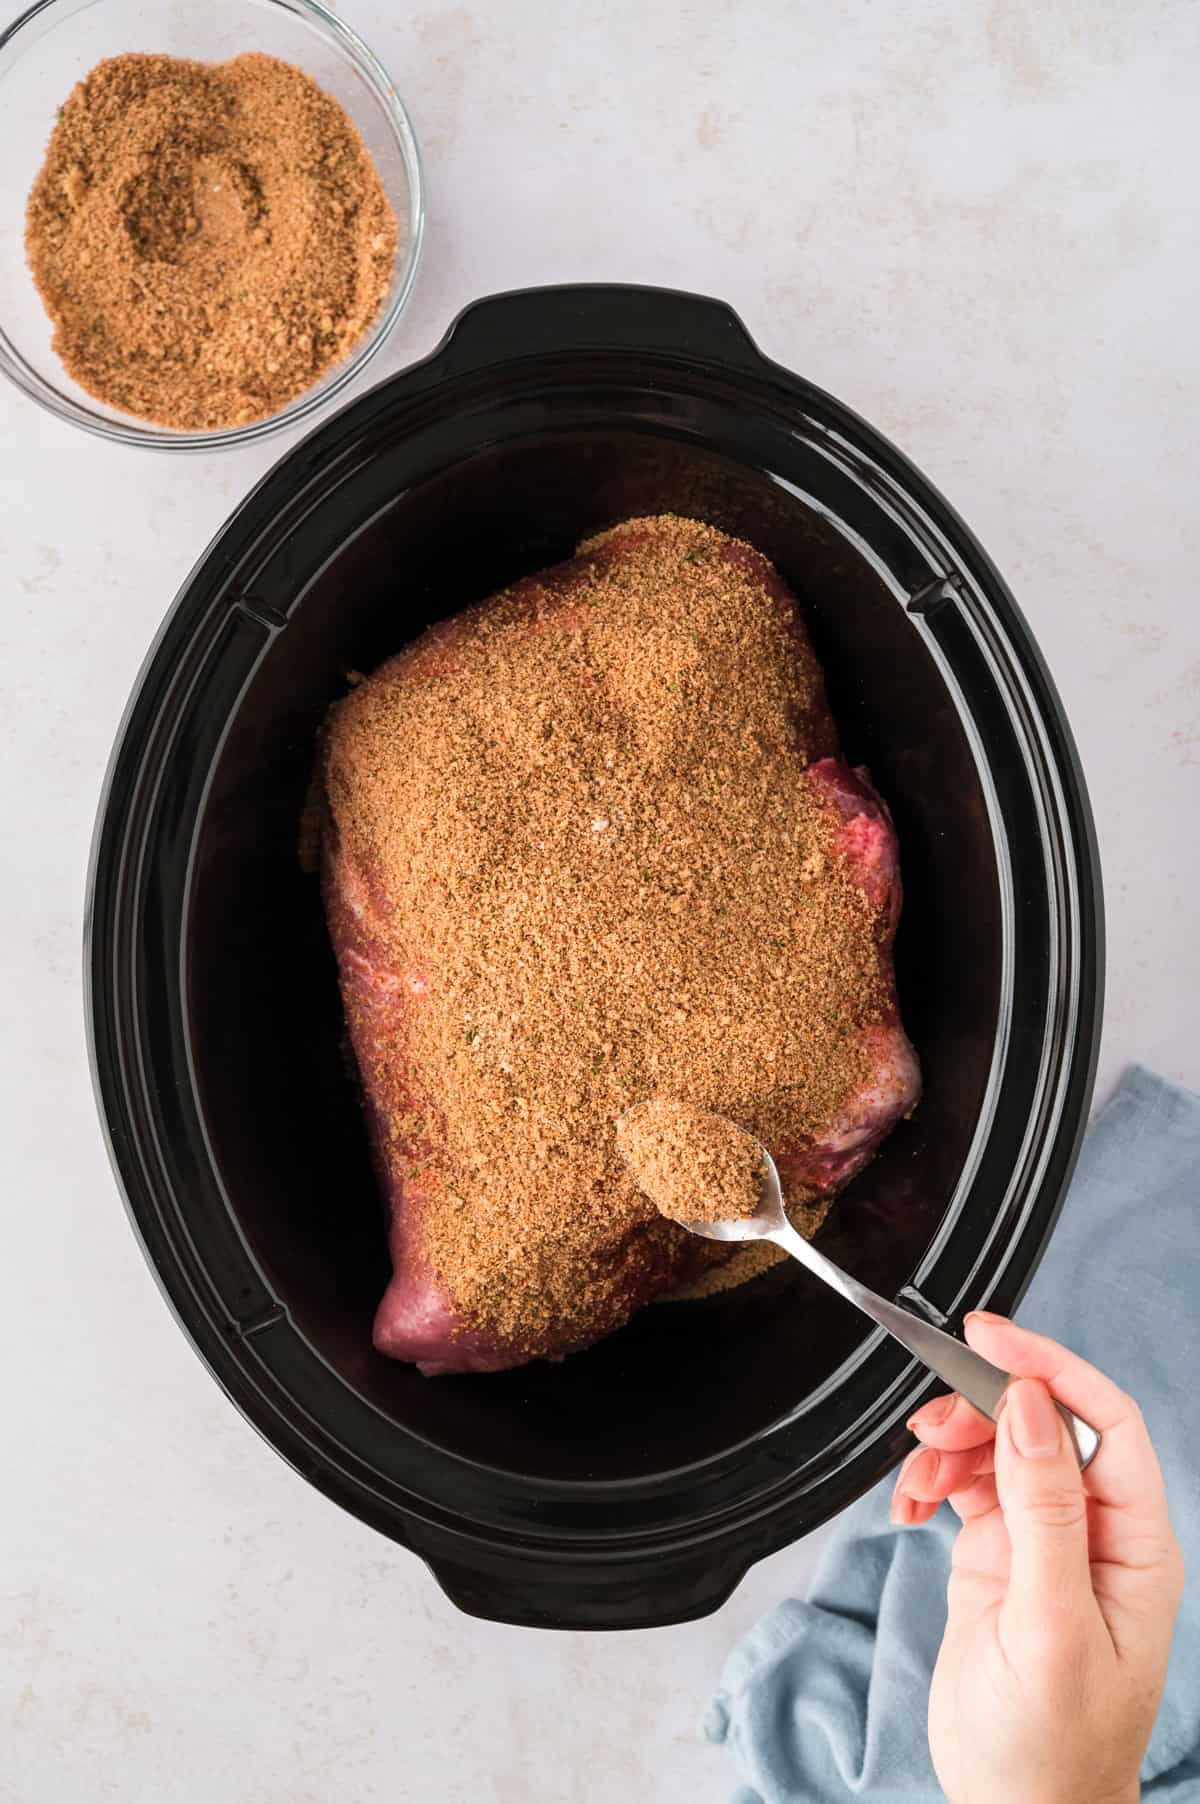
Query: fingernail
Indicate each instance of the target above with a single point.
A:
(931, 1414)
(902, 1510)
(985, 1315)
(906, 1466)
(922, 1473)
(918, 1474)
(1034, 1422)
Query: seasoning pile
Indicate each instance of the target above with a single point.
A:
(572, 862)
(692, 1164)
(208, 239)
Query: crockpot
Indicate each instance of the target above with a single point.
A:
(632, 1484)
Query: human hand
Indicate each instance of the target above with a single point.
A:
(1063, 1587)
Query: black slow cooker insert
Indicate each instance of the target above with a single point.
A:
(632, 1484)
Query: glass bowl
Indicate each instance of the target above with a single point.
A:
(56, 42)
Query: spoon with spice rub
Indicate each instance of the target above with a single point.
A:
(713, 1178)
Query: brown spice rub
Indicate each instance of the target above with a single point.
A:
(692, 1164)
(208, 239)
(574, 824)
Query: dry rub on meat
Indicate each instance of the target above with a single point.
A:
(585, 845)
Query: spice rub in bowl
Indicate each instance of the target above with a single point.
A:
(208, 239)
(586, 844)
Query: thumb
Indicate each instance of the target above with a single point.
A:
(1041, 1493)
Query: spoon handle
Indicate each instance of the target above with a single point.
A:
(973, 1377)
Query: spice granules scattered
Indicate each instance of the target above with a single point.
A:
(573, 826)
(692, 1164)
(208, 239)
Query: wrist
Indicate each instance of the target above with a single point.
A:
(1128, 1794)
(1124, 1794)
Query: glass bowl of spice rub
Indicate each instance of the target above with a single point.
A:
(222, 206)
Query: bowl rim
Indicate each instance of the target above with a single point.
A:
(148, 436)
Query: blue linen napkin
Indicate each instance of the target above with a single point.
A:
(825, 1700)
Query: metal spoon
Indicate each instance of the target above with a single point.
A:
(976, 1379)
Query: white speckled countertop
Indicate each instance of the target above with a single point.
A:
(977, 224)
